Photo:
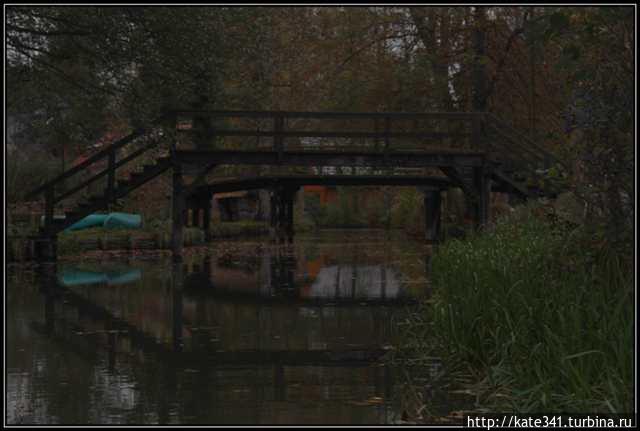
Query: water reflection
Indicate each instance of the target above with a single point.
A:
(286, 273)
(72, 276)
(287, 334)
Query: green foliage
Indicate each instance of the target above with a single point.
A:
(27, 169)
(345, 212)
(315, 210)
(541, 317)
(408, 209)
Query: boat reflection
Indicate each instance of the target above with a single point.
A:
(74, 276)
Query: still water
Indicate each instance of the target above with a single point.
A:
(243, 332)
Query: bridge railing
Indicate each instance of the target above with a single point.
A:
(517, 151)
(317, 131)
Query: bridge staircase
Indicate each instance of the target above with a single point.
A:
(520, 166)
(140, 154)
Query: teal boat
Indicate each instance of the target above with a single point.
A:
(108, 221)
(122, 220)
(89, 221)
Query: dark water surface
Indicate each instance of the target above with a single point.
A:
(244, 332)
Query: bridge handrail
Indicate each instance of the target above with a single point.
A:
(331, 115)
(541, 153)
(102, 154)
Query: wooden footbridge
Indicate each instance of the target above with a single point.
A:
(473, 151)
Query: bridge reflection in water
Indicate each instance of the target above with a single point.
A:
(270, 327)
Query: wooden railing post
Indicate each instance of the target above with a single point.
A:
(482, 186)
(476, 133)
(278, 128)
(177, 214)
(169, 126)
(111, 177)
(387, 131)
(432, 214)
(49, 203)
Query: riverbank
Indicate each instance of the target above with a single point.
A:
(532, 316)
(150, 238)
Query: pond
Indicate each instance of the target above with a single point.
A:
(242, 332)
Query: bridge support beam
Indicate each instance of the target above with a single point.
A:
(482, 184)
(274, 208)
(178, 215)
(46, 248)
(206, 216)
(281, 217)
(177, 283)
(432, 214)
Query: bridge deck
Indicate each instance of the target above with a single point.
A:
(435, 158)
(252, 183)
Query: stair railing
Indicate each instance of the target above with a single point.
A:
(508, 144)
(109, 154)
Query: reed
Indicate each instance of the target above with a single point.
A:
(540, 318)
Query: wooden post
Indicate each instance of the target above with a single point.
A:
(177, 321)
(195, 214)
(49, 204)
(276, 208)
(206, 217)
(289, 201)
(482, 185)
(432, 214)
(46, 248)
(111, 177)
(278, 127)
(46, 244)
(387, 130)
(476, 134)
(282, 210)
(177, 232)
(272, 208)
(185, 214)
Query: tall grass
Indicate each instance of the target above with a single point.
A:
(540, 318)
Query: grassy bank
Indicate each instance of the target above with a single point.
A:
(151, 237)
(537, 316)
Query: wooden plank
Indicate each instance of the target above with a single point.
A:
(318, 158)
(179, 205)
(329, 134)
(330, 180)
(331, 115)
